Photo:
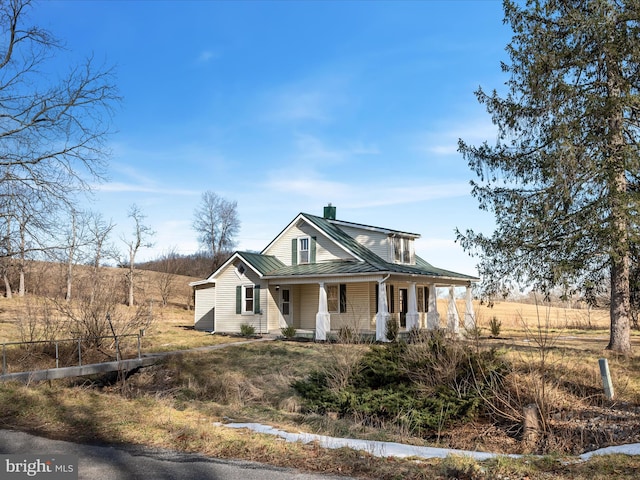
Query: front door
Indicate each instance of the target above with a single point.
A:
(404, 306)
(285, 305)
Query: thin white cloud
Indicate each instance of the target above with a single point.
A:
(367, 195)
(443, 141)
(311, 148)
(316, 99)
(206, 56)
(115, 187)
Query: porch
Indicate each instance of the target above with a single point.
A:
(320, 310)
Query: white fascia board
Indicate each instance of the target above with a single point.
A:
(310, 223)
(338, 244)
(386, 231)
(230, 260)
(198, 283)
(284, 230)
(247, 263)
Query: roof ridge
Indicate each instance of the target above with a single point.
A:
(360, 224)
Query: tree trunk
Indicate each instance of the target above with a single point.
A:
(130, 279)
(7, 286)
(69, 281)
(619, 340)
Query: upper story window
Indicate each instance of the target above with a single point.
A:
(403, 250)
(303, 250)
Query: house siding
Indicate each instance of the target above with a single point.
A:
(227, 320)
(377, 242)
(308, 305)
(204, 310)
(273, 308)
(358, 312)
(326, 250)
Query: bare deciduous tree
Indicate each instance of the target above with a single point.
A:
(52, 127)
(166, 277)
(74, 241)
(217, 224)
(140, 239)
(98, 230)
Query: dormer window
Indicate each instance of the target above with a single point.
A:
(403, 250)
(303, 250)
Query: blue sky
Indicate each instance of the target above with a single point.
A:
(287, 106)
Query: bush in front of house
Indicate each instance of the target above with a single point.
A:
(247, 330)
(288, 332)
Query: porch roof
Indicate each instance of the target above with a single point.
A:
(422, 268)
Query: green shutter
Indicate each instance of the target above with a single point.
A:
(377, 298)
(256, 299)
(312, 254)
(238, 299)
(294, 251)
(392, 306)
(343, 298)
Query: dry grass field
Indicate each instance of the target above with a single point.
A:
(177, 404)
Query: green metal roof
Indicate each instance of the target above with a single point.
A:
(262, 263)
(366, 261)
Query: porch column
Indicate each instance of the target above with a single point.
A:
(469, 314)
(383, 313)
(453, 319)
(433, 317)
(413, 317)
(323, 319)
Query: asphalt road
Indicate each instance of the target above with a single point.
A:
(137, 463)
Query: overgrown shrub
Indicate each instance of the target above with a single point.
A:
(495, 326)
(420, 387)
(347, 334)
(392, 330)
(247, 330)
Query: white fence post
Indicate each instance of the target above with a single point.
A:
(606, 378)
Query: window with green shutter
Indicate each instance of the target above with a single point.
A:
(247, 299)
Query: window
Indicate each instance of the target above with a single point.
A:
(285, 301)
(397, 249)
(337, 298)
(303, 250)
(406, 251)
(332, 298)
(402, 250)
(423, 299)
(248, 300)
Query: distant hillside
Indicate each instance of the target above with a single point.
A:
(197, 265)
(48, 279)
